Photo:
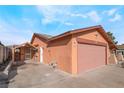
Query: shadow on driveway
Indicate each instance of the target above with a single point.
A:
(6, 79)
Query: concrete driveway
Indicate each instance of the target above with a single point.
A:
(30, 75)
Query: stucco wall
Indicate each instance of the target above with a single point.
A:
(64, 50)
(94, 35)
(74, 55)
(39, 43)
(60, 51)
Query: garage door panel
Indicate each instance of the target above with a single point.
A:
(90, 57)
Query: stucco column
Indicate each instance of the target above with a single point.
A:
(115, 58)
(74, 56)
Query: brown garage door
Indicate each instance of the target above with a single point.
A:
(90, 57)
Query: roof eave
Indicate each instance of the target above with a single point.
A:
(99, 27)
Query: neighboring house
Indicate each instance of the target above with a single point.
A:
(120, 49)
(23, 52)
(75, 51)
(1, 53)
(4, 53)
(120, 53)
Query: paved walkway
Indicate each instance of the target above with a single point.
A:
(44, 76)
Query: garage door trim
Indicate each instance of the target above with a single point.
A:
(91, 42)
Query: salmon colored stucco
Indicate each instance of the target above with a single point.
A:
(55, 51)
(63, 49)
(90, 36)
(39, 43)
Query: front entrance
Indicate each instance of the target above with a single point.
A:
(27, 53)
(17, 55)
(41, 54)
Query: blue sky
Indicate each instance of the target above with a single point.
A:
(18, 23)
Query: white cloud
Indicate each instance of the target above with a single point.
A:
(117, 17)
(110, 12)
(78, 15)
(53, 13)
(47, 20)
(68, 24)
(93, 15)
(48, 12)
(63, 13)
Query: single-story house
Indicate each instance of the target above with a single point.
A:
(23, 53)
(120, 52)
(120, 49)
(75, 51)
